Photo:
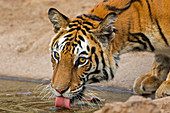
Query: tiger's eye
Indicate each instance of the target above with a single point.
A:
(82, 60)
(56, 55)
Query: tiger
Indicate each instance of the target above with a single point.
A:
(86, 49)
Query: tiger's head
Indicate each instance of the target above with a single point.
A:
(80, 52)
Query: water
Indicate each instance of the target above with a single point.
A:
(30, 96)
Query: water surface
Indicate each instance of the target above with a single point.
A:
(30, 96)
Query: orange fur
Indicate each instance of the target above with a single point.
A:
(142, 25)
(137, 18)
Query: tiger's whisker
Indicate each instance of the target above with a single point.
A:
(38, 87)
(97, 102)
(87, 102)
(52, 95)
(82, 107)
(46, 95)
(97, 90)
(45, 89)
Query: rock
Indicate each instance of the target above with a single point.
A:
(163, 104)
(21, 48)
(138, 104)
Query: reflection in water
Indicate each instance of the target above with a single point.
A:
(26, 96)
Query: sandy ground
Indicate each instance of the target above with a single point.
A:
(25, 33)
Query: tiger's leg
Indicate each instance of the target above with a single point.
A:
(149, 83)
(164, 88)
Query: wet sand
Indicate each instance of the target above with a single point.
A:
(19, 96)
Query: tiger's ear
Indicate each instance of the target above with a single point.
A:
(57, 19)
(105, 30)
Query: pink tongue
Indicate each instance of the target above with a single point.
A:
(62, 102)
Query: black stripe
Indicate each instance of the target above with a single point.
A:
(93, 49)
(105, 0)
(52, 59)
(73, 50)
(82, 76)
(56, 44)
(94, 72)
(70, 39)
(78, 28)
(138, 41)
(90, 58)
(65, 48)
(121, 10)
(83, 31)
(69, 35)
(103, 62)
(83, 52)
(161, 33)
(76, 21)
(95, 80)
(93, 17)
(71, 25)
(74, 45)
(144, 38)
(92, 10)
(118, 10)
(88, 49)
(97, 61)
(88, 23)
(149, 8)
(80, 17)
(116, 58)
(87, 28)
(97, 65)
(72, 29)
(85, 73)
(92, 38)
(89, 67)
(79, 42)
(75, 38)
(106, 76)
(111, 72)
(136, 1)
(81, 38)
(65, 40)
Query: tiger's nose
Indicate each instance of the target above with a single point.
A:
(60, 90)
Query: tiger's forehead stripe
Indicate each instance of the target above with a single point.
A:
(83, 22)
(72, 33)
(78, 48)
(73, 43)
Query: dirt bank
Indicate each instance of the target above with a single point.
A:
(138, 104)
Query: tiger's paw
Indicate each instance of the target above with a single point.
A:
(163, 90)
(146, 84)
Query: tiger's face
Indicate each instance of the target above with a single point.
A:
(80, 53)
